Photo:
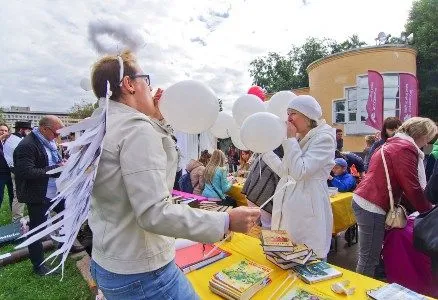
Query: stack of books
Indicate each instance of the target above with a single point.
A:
(194, 203)
(240, 281)
(281, 251)
(193, 256)
(213, 206)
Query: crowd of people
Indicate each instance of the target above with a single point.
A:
(134, 222)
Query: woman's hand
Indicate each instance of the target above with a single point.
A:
(243, 218)
(156, 99)
(291, 130)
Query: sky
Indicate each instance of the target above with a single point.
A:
(46, 51)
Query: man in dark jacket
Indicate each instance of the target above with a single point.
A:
(5, 172)
(22, 129)
(34, 156)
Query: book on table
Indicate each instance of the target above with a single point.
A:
(241, 280)
(283, 257)
(316, 272)
(276, 241)
(394, 291)
(192, 257)
(298, 250)
(304, 294)
(284, 265)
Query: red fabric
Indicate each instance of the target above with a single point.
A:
(405, 265)
(402, 160)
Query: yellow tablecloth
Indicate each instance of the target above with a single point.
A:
(343, 216)
(236, 193)
(243, 246)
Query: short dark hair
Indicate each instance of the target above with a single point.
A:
(389, 123)
(338, 130)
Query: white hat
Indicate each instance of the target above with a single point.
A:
(307, 105)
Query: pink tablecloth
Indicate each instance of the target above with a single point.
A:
(405, 265)
(187, 195)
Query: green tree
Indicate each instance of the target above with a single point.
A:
(352, 42)
(423, 23)
(2, 117)
(276, 72)
(82, 110)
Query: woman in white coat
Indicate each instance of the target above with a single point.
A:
(303, 208)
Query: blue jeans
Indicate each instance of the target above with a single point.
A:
(371, 234)
(168, 282)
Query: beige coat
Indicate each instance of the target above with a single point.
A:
(132, 221)
(196, 170)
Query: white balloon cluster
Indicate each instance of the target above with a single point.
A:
(255, 125)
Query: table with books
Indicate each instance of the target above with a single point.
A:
(343, 215)
(249, 249)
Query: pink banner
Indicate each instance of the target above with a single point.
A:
(408, 96)
(375, 100)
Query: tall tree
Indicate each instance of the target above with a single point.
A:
(82, 110)
(276, 72)
(2, 117)
(423, 23)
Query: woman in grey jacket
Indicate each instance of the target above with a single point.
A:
(132, 219)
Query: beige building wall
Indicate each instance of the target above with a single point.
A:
(329, 76)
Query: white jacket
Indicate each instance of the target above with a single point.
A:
(303, 208)
(132, 221)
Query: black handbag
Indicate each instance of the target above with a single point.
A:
(426, 235)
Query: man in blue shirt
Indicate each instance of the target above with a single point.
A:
(344, 181)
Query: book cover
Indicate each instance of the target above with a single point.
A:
(192, 257)
(277, 238)
(394, 291)
(243, 275)
(302, 294)
(316, 272)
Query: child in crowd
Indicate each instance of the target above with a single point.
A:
(343, 180)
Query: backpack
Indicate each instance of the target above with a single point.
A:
(185, 183)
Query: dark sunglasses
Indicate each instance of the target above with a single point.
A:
(144, 77)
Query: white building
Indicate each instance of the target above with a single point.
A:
(18, 113)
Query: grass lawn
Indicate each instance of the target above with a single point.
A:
(17, 281)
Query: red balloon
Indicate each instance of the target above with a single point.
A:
(258, 91)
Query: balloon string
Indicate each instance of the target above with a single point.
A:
(260, 166)
(288, 183)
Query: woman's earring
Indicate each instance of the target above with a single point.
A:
(132, 92)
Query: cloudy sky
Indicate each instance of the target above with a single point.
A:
(45, 48)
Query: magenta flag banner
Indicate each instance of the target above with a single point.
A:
(375, 100)
(408, 96)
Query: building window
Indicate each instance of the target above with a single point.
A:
(353, 108)
(339, 111)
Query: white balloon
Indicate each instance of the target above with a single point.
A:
(278, 103)
(85, 84)
(221, 128)
(235, 136)
(245, 106)
(262, 132)
(189, 106)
